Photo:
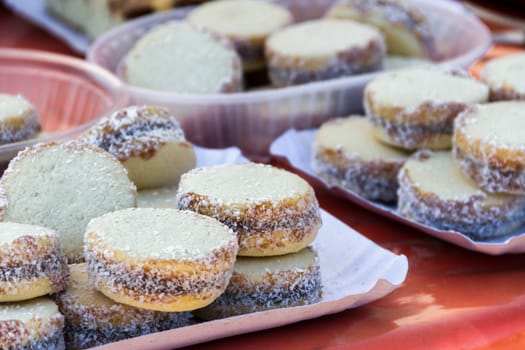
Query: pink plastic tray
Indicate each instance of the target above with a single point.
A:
(68, 93)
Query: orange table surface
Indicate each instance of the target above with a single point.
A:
(452, 298)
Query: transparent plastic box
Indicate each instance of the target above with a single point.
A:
(68, 94)
(251, 120)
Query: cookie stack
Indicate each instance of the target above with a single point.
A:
(92, 319)
(32, 265)
(49, 193)
(405, 111)
(275, 216)
(64, 188)
(180, 246)
(478, 189)
(401, 150)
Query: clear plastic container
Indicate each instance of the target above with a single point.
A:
(68, 94)
(251, 120)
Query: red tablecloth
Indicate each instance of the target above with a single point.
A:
(452, 298)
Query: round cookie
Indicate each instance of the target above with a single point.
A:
(33, 324)
(489, 146)
(406, 31)
(31, 262)
(93, 320)
(62, 186)
(416, 108)
(18, 119)
(434, 191)
(160, 259)
(148, 141)
(323, 49)
(178, 57)
(506, 77)
(346, 153)
(272, 211)
(267, 283)
(247, 23)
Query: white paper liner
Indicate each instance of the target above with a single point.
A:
(218, 156)
(354, 271)
(296, 147)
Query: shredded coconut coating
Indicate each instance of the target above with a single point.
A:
(375, 180)
(20, 126)
(395, 13)
(419, 135)
(178, 280)
(473, 216)
(493, 165)
(93, 320)
(37, 333)
(137, 131)
(156, 285)
(29, 258)
(428, 125)
(355, 60)
(295, 286)
(264, 226)
(505, 93)
(23, 128)
(13, 329)
(494, 178)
